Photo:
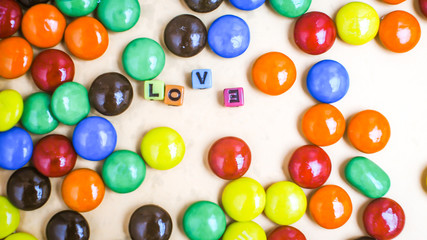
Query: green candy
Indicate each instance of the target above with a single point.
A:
(290, 8)
(70, 103)
(204, 221)
(118, 15)
(37, 117)
(76, 8)
(367, 177)
(143, 59)
(123, 171)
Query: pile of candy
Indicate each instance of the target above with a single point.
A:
(94, 138)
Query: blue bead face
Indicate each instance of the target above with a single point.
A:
(247, 5)
(229, 36)
(328, 81)
(16, 148)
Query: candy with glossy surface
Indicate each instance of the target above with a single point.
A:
(16, 148)
(76, 8)
(10, 18)
(118, 16)
(9, 217)
(244, 230)
(204, 220)
(286, 233)
(423, 7)
(30, 3)
(37, 117)
(394, 2)
(247, 5)
(150, 222)
(11, 109)
(20, 236)
(290, 8)
(229, 36)
(243, 199)
(70, 103)
(365, 238)
(203, 6)
(15, 58)
(67, 225)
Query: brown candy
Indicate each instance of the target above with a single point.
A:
(150, 222)
(203, 6)
(30, 3)
(67, 225)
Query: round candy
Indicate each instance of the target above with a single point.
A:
(30, 3)
(290, 8)
(204, 221)
(229, 158)
(394, 1)
(143, 59)
(323, 125)
(285, 203)
(274, 73)
(10, 18)
(94, 138)
(243, 199)
(67, 225)
(111, 94)
(286, 233)
(365, 238)
(229, 36)
(368, 131)
(423, 7)
(244, 230)
(16, 148)
(9, 217)
(21, 236)
(162, 148)
(76, 8)
(330, 206)
(150, 222)
(185, 35)
(123, 171)
(399, 31)
(11, 108)
(357, 23)
(83, 190)
(37, 117)
(383, 219)
(247, 5)
(15, 58)
(54, 156)
(203, 6)
(86, 38)
(118, 16)
(52, 68)
(70, 103)
(28, 189)
(328, 81)
(309, 166)
(43, 25)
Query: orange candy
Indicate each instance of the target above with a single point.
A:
(16, 56)
(83, 190)
(323, 125)
(274, 73)
(43, 25)
(399, 31)
(86, 38)
(394, 1)
(330, 206)
(369, 131)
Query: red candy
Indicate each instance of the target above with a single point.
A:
(52, 68)
(10, 18)
(286, 233)
(383, 219)
(229, 158)
(54, 156)
(315, 33)
(423, 6)
(310, 166)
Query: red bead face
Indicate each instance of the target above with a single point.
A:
(54, 156)
(314, 33)
(10, 18)
(52, 68)
(229, 158)
(286, 233)
(383, 219)
(310, 166)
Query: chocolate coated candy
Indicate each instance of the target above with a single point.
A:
(150, 222)
(67, 225)
(203, 6)
(28, 189)
(111, 93)
(30, 3)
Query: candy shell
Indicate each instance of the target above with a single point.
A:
(118, 16)
(290, 8)
(76, 8)
(11, 109)
(21, 236)
(16, 148)
(203, 6)
(244, 230)
(286, 233)
(67, 225)
(15, 58)
(204, 220)
(37, 117)
(9, 217)
(150, 222)
(10, 18)
(247, 5)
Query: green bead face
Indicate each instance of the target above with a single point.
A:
(70, 103)
(123, 171)
(290, 8)
(118, 15)
(37, 117)
(367, 177)
(143, 59)
(76, 8)
(204, 221)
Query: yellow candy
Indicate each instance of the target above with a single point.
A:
(286, 203)
(9, 217)
(243, 199)
(244, 231)
(21, 236)
(357, 23)
(11, 107)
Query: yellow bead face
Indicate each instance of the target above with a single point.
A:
(11, 107)
(357, 23)
(9, 217)
(244, 231)
(21, 236)
(286, 203)
(162, 148)
(243, 199)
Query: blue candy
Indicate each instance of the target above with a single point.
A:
(94, 138)
(328, 81)
(229, 36)
(247, 5)
(16, 148)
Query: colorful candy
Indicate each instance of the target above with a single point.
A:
(423, 7)
(203, 6)
(10, 18)
(30, 3)
(16, 148)
(247, 5)
(150, 222)
(290, 8)
(394, 2)
(16, 57)
(76, 8)
(20, 236)
(244, 230)
(37, 117)
(204, 220)
(11, 109)
(118, 16)
(67, 225)
(286, 233)
(9, 217)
